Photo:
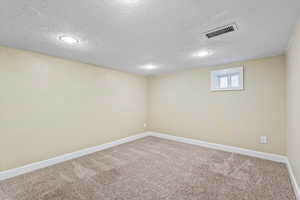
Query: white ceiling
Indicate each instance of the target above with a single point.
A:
(127, 34)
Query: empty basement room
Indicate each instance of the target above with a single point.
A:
(150, 100)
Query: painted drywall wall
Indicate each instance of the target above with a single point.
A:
(293, 102)
(182, 104)
(51, 106)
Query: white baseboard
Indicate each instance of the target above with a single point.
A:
(266, 156)
(293, 180)
(46, 163)
(262, 155)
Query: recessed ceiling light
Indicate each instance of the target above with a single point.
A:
(129, 2)
(68, 39)
(203, 53)
(149, 67)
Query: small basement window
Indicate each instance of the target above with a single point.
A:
(227, 79)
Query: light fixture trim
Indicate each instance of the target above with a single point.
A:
(68, 39)
(149, 67)
(203, 53)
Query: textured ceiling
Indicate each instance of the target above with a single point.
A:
(127, 34)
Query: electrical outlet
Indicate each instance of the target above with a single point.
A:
(263, 139)
(145, 125)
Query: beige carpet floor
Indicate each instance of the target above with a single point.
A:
(154, 168)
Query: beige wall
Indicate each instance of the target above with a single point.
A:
(50, 106)
(183, 105)
(293, 102)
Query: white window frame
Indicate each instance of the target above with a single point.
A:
(227, 72)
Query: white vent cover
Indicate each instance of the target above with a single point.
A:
(220, 31)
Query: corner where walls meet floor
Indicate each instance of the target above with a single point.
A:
(39, 165)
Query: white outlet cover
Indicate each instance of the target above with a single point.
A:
(263, 139)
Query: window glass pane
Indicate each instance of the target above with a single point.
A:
(235, 80)
(227, 79)
(223, 82)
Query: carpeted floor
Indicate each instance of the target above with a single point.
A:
(154, 168)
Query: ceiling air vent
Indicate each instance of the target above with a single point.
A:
(221, 30)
